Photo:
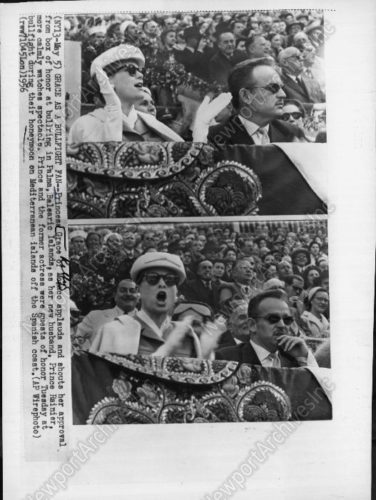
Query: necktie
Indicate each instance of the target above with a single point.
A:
(301, 83)
(275, 359)
(263, 135)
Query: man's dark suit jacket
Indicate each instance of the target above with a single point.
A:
(196, 290)
(307, 92)
(194, 62)
(232, 132)
(244, 353)
(220, 67)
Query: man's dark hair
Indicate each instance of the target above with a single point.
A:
(92, 233)
(313, 243)
(125, 277)
(251, 39)
(239, 261)
(240, 39)
(199, 262)
(165, 33)
(256, 301)
(218, 259)
(241, 76)
(289, 279)
(221, 30)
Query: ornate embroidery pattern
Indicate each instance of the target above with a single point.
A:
(186, 370)
(178, 390)
(158, 180)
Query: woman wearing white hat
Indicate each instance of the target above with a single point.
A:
(150, 331)
(118, 73)
(130, 32)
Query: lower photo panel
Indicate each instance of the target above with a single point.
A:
(200, 320)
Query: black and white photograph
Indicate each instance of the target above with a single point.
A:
(255, 77)
(199, 303)
(188, 231)
(182, 114)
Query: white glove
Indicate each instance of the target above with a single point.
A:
(175, 338)
(113, 125)
(210, 336)
(206, 113)
(107, 90)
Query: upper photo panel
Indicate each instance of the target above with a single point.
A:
(223, 78)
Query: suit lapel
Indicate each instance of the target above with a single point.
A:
(248, 355)
(275, 134)
(300, 89)
(238, 131)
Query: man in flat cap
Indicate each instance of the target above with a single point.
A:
(150, 331)
(118, 73)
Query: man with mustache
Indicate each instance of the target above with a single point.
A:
(270, 344)
(126, 298)
(150, 331)
(257, 97)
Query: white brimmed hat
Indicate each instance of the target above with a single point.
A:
(78, 233)
(125, 24)
(121, 52)
(158, 259)
(97, 29)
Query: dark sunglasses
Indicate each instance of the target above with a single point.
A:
(296, 115)
(275, 318)
(297, 289)
(274, 88)
(132, 69)
(154, 278)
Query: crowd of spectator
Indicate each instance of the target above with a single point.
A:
(226, 265)
(190, 55)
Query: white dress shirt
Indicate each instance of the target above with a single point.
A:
(147, 319)
(268, 359)
(259, 134)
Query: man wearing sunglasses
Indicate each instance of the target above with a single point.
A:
(150, 331)
(257, 97)
(270, 343)
(117, 74)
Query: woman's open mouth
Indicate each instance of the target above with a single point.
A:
(161, 297)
